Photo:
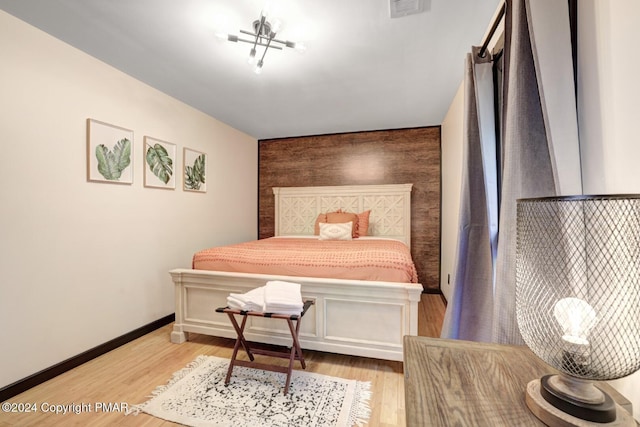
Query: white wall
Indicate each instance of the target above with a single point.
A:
(451, 135)
(82, 263)
(608, 94)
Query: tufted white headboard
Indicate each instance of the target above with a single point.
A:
(296, 208)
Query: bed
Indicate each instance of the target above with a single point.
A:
(350, 316)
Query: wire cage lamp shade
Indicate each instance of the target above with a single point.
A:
(578, 297)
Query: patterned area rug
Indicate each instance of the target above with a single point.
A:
(197, 396)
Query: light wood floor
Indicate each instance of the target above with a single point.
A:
(130, 373)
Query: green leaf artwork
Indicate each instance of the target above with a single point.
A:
(111, 163)
(160, 163)
(194, 175)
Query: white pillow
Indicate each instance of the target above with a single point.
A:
(336, 231)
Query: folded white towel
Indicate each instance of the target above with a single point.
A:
(234, 303)
(239, 305)
(249, 301)
(282, 297)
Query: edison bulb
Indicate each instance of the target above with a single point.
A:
(577, 318)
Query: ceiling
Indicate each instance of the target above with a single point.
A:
(362, 70)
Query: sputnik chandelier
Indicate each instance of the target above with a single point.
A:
(264, 36)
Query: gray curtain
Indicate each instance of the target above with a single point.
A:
(469, 313)
(539, 157)
(540, 142)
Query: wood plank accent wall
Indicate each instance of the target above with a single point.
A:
(372, 157)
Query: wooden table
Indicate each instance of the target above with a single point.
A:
(463, 383)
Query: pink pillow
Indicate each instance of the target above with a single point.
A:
(360, 221)
(363, 223)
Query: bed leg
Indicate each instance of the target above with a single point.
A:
(178, 336)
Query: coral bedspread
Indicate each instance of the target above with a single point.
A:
(359, 259)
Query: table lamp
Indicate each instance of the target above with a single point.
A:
(578, 302)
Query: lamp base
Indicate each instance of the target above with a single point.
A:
(554, 417)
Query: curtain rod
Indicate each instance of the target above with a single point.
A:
(494, 27)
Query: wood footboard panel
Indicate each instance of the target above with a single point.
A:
(359, 318)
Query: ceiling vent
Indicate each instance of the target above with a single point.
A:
(400, 8)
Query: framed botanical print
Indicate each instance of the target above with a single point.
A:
(159, 163)
(194, 173)
(109, 153)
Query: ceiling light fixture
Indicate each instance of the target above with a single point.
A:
(263, 36)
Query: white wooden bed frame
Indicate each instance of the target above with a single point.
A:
(354, 317)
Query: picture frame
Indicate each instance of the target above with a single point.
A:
(109, 153)
(160, 163)
(194, 170)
